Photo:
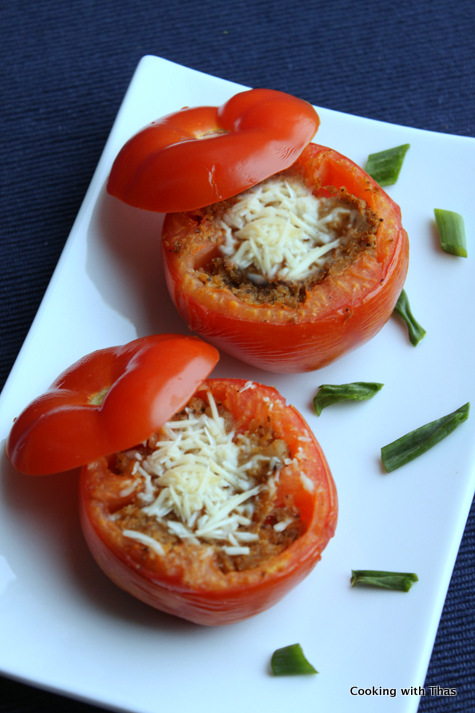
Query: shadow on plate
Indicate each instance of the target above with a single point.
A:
(124, 262)
(44, 548)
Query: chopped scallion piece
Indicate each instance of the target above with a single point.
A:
(451, 232)
(420, 440)
(329, 394)
(399, 581)
(385, 166)
(415, 331)
(290, 661)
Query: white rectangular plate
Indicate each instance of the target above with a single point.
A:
(65, 627)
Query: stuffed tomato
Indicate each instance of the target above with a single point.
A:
(294, 272)
(205, 498)
(220, 512)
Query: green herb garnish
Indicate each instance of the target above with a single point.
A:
(451, 232)
(329, 394)
(385, 166)
(420, 440)
(402, 308)
(399, 581)
(290, 661)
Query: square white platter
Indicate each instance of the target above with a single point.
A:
(66, 628)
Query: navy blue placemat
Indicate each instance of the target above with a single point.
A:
(65, 66)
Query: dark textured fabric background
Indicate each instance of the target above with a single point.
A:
(65, 66)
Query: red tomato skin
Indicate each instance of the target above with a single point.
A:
(141, 384)
(342, 313)
(201, 155)
(191, 588)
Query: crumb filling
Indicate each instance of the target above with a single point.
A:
(278, 240)
(199, 482)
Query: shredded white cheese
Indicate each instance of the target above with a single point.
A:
(307, 483)
(197, 482)
(144, 540)
(281, 526)
(247, 385)
(279, 229)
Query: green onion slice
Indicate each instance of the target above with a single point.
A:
(402, 308)
(420, 440)
(290, 661)
(398, 581)
(329, 394)
(451, 232)
(385, 166)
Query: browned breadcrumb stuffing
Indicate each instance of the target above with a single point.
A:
(266, 514)
(221, 273)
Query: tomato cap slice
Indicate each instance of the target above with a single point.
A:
(108, 401)
(202, 155)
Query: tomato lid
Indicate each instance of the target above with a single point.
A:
(202, 155)
(108, 401)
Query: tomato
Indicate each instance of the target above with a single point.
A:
(112, 412)
(201, 155)
(340, 312)
(185, 578)
(107, 401)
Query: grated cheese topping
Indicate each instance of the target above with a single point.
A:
(198, 482)
(279, 230)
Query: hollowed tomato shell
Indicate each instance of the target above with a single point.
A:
(346, 309)
(186, 581)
